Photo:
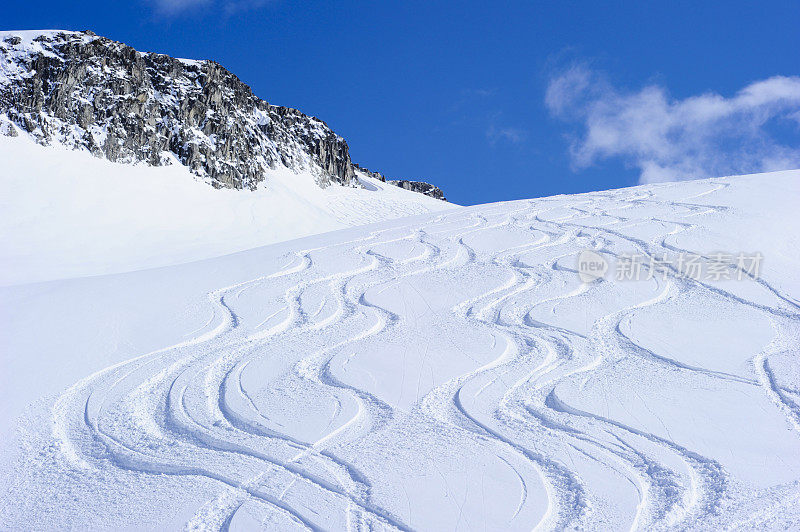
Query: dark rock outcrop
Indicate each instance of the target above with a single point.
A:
(369, 173)
(89, 92)
(419, 186)
(415, 186)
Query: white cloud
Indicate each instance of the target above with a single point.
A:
(671, 139)
(511, 134)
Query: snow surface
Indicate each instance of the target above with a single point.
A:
(443, 371)
(66, 213)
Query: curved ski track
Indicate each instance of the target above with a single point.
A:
(186, 410)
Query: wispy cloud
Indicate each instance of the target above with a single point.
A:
(235, 6)
(497, 133)
(174, 7)
(477, 109)
(229, 7)
(672, 139)
(468, 97)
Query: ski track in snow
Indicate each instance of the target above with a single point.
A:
(199, 408)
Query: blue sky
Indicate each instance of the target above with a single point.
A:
(496, 102)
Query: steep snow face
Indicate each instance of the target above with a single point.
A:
(448, 371)
(67, 214)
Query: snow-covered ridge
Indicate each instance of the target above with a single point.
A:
(89, 92)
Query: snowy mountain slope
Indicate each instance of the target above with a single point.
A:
(67, 214)
(446, 371)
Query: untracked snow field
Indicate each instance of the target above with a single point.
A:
(437, 372)
(65, 213)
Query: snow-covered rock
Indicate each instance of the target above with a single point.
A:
(416, 186)
(89, 92)
(419, 186)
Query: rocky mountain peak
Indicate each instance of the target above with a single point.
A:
(89, 92)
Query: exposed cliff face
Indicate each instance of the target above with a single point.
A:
(89, 92)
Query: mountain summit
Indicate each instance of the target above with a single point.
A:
(92, 93)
